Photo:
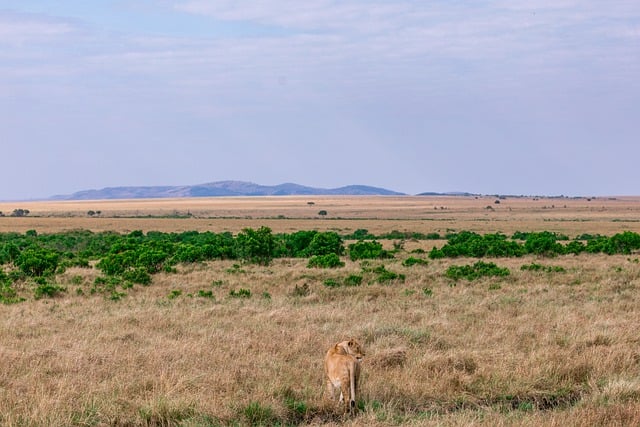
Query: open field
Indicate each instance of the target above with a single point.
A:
(553, 345)
(378, 214)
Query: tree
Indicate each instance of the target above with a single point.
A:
(20, 212)
(322, 213)
(38, 261)
(327, 242)
(256, 246)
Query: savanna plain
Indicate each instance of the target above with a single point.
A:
(549, 340)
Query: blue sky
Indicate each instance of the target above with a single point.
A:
(493, 96)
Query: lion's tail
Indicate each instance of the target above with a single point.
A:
(352, 400)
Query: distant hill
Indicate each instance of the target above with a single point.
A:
(222, 188)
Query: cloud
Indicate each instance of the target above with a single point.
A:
(19, 29)
(438, 78)
(304, 15)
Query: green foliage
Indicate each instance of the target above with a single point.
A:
(325, 261)
(295, 244)
(137, 275)
(8, 294)
(106, 284)
(206, 294)
(298, 407)
(475, 271)
(332, 283)
(623, 243)
(36, 262)
(428, 292)
(255, 246)
(9, 252)
(133, 258)
(385, 276)
(240, 293)
(543, 243)
(116, 296)
(363, 234)
(175, 293)
(236, 269)
(543, 268)
(360, 234)
(302, 244)
(411, 261)
(367, 250)
(45, 289)
(353, 280)
(325, 243)
(409, 235)
(470, 244)
(256, 414)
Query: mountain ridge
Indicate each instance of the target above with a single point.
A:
(222, 189)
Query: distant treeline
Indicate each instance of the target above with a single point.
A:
(545, 243)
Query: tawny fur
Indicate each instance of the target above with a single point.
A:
(342, 371)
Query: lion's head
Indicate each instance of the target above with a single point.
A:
(351, 347)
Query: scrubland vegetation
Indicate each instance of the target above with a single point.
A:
(202, 328)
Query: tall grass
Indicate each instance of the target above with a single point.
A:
(540, 348)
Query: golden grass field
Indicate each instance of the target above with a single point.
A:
(532, 348)
(572, 216)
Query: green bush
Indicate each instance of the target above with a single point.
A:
(385, 276)
(543, 243)
(36, 262)
(206, 294)
(367, 250)
(46, 289)
(360, 234)
(328, 242)
(175, 293)
(331, 283)
(295, 244)
(8, 294)
(325, 261)
(137, 275)
(240, 293)
(115, 264)
(255, 246)
(353, 280)
(470, 244)
(411, 261)
(622, 243)
(475, 271)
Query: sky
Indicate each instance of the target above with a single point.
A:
(510, 97)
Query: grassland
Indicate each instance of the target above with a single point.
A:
(556, 345)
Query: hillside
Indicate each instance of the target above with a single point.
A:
(221, 188)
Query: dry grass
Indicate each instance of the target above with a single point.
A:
(377, 214)
(533, 348)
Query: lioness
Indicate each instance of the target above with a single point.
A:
(342, 369)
